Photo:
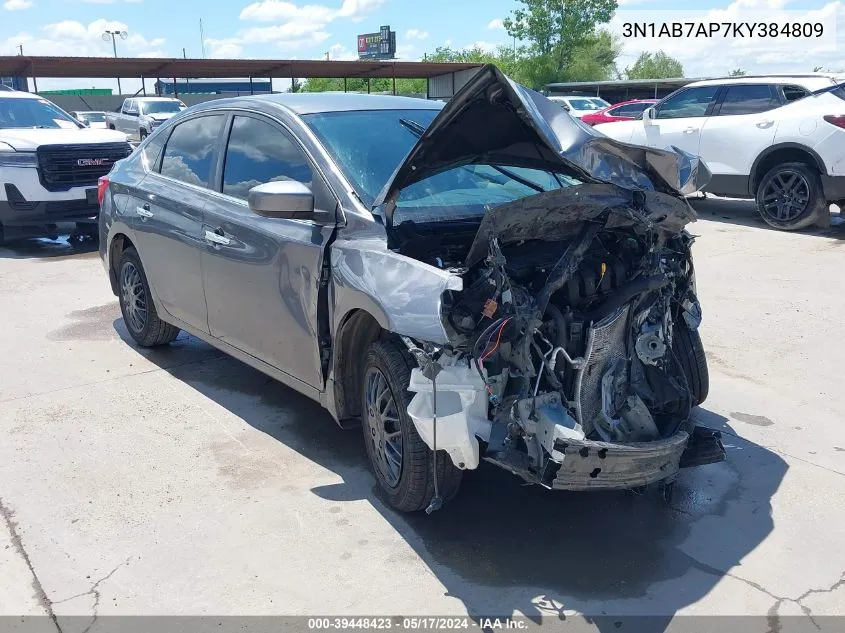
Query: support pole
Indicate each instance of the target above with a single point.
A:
(394, 80)
(251, 90)
(344, 84)
(143, 85)
(175, 88)
(368, 85)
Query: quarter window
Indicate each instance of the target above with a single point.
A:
(690, 102)
(750, 99)
(259, 152)
(189, 153)
(793, 93)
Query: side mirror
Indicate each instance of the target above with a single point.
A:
(565, 107)
(282, 199)
(649, 114)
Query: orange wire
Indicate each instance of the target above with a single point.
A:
(498, 338)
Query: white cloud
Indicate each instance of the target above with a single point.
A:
(273, 10)
(223, 48)
(407, 52)
(496, 24)
(717, 56)
(340, 52)
(415, 34)
(485, 46)
(17, 5)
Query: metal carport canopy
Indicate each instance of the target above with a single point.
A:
(24, 66)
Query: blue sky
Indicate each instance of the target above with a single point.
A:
(283, 30)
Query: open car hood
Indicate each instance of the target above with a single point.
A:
(494, 120)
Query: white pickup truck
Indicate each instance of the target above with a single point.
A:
(49, 167)
(139, 116)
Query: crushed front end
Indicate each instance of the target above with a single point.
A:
(574, 359)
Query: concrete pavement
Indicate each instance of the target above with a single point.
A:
(180, 481)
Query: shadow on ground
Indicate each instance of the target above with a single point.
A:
(46, 249)
(501, 546)
(744, 213)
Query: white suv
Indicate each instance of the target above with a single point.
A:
(777, 139)
(49, 167)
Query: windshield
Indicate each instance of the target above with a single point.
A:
(369, 145)
(92, 117)
(33, 113)
(586, 104)
(160, 107)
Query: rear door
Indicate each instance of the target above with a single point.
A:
(741, 127)
(678, 121)
(169, 217)
(262, 275)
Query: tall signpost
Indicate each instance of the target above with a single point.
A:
(381, 45)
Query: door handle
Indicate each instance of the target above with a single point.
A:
(144, 211)
(215, 238)
(690, 130)
(765, 123)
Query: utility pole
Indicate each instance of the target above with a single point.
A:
(113, 34)
(327, 56)
(202, 40)
(20, 46)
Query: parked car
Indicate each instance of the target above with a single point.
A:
(578, 106)
(777, 139)
(91, 118)
(49, 166)
(139, 116)
(624, 111)
(347, 246)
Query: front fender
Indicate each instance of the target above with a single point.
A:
(401, 293)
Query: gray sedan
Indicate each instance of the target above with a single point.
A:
(487, 281)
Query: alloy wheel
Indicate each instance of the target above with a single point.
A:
(786, 196)
(384, 430)
(134, 296)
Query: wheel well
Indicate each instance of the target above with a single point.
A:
(118, 244)
(779, 156)
(356, 333)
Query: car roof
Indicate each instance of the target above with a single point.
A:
(316, 102)
(813, 81)
(19, 95)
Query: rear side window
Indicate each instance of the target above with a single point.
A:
(628, 110)
(259, 152)
(793, 93)
(750, 99)
(190, 150)
(687, 103)
(839, 91)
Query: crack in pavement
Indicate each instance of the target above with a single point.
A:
(95, 591)
(772, 616)
(43, 600)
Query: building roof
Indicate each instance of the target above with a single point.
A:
(148, 67)
(674, 82)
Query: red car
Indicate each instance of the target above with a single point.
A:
(625, 111)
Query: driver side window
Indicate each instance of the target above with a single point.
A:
(688, 103)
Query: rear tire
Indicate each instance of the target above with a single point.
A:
(410, 487)
(689, 351)
(136, 303)
(790, 197)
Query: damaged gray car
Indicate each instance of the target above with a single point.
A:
(490, 281)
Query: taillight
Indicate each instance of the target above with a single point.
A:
(836, 119)
(102, 187)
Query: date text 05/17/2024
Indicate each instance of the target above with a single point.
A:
(416, 623)
(747, 30)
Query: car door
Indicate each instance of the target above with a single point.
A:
(742, 126)
(127, 122)
(678, 120)
(262, 276)
(169, 217)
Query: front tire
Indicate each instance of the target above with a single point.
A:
(401, 461)
(790, 197)
(690, 353)
(142, 135)
(136, 303)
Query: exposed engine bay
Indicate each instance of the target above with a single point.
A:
(566, 361)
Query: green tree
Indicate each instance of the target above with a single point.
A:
(555, 31)
(737, 72)
(357, 84)
(655, 66)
